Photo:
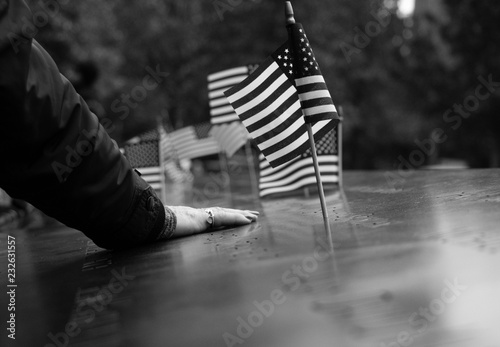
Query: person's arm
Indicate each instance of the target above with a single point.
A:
(57, 156)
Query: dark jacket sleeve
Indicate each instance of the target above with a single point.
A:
(55, 154)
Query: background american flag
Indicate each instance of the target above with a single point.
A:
(194, 141)
(299, 173)
(226, 126)
(144, 155)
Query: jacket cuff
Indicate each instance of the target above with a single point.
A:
(169, 225)
(149, 219)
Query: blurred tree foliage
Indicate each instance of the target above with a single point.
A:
(451, 49)
(473, 37)
(390, 85)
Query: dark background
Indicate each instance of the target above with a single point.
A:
(395, 85)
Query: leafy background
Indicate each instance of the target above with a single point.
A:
(393, 91)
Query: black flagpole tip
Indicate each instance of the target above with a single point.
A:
(289, 13)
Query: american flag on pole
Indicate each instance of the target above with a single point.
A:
(226, 126)
(299, 173)
(275, 102)
(194, 141)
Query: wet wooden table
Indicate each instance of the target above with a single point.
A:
(419, 266)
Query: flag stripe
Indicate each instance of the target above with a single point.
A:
(317, 102)
(270, 174)
(312, 87)
(217, 93)
(309, 80)
(222, 110)
(217, 102)
(315, 94)
(228, 82)
(229, 72)
(311, 111)
(224, 119)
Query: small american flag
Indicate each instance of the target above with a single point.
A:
(299, 173)
(230, 137)
(269, 106)
(194, 141)
(226, 126)
(171, 163)
(144, 155)
(166, 144)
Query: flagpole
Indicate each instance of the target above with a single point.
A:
(161, 159)
(319, 182)
(339, 146)
(251, 169)
(225, 168)
(290, 20)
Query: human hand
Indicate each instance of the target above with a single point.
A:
(195, 220)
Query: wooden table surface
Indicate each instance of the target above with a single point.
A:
(419, 266)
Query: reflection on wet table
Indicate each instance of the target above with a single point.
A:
(417, 266)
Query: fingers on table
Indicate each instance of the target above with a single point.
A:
(234, 210)
(228, 217)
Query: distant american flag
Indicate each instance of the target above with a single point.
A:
(176, 173)
(230, 137)
(221, 112)
(226, 126)
(170, 158)
(269, 106)
(194, 141)
(143, 154)
(167, 145)
(299, 172)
